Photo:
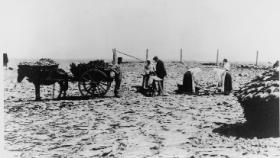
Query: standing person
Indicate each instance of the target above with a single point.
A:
(5, 59)
(117, 75)
(160, 70)
(226, 77)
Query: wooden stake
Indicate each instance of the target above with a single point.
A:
(114, 56)
(181, 55)
(257, 58)
(147, 54)
(217, 58)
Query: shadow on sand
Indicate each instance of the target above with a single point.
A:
(205, 93)
(73, 98)
(145, 92)
(244, 130)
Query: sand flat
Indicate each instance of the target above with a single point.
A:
(177, 125)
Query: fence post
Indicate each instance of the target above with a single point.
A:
(114, 56)
(217, 58)
(147, 54)
(257, 58)
(181, 55)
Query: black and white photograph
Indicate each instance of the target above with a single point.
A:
(140, 78)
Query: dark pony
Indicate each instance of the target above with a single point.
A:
(39, 76)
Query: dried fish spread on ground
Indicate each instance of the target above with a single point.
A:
(260, 100)
(207, 81)
(250, 66)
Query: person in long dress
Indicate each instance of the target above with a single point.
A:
(226, 78)
(190, 81)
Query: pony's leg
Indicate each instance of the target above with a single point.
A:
(65, 87)
(60, 90)
(37, 91)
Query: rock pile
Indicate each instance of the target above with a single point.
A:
(260, 101)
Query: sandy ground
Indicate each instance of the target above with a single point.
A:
(177, 125)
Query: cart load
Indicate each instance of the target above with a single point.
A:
(41, 69)
(43, 63)
(77, 70)
(260, 101)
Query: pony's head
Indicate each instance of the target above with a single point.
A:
(22, 70)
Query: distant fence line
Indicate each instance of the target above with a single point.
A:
(115, 51)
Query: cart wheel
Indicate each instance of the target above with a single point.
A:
(102, 88)
(93, 83)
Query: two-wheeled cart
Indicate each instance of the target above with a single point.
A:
(94, 78)
(93, 82)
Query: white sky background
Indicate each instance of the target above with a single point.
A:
(91, 28)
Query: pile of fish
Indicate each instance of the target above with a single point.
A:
(206, 82)
(78, 69)
(251, 66)
(43, 62)
(209, 64)
(260, 100)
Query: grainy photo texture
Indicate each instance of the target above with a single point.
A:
(140, 79)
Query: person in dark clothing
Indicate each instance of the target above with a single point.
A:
(160, 70)
(188, 82)
(118, 80)
(5, 59)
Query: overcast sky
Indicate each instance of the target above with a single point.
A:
(91, 28)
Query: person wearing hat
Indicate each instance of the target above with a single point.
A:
(149, 69)
(160, 70)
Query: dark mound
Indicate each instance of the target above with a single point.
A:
(260, 101)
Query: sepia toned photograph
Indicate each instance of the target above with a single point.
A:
(140, 78)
